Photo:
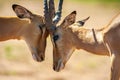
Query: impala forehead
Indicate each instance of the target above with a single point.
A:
(59, 32)
(60, 42)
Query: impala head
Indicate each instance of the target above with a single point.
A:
(36, 34)
(60, 35)
(63, 41)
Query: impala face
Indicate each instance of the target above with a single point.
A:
(62, 50)
(62, 43)
(34, 32)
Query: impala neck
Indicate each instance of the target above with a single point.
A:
(10, 28)
(89, 40)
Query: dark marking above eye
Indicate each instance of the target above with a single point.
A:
(55, 38)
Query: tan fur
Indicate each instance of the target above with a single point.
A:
(105, 41)
(73, 38)
(27, 29)
(112, 38)
(86, 40)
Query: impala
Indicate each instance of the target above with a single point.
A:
(112, 38)
(32, 30)
(103, 41)
(69, 36)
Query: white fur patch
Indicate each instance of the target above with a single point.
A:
(89, 34)
(99, 37)
(91, 38)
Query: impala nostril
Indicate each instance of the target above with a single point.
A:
(54, 67)
(42, 58)
(38, 58)
(58, 65)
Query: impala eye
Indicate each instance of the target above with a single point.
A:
(42, 25)
(55, 38)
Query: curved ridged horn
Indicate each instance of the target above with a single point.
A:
(57, 17)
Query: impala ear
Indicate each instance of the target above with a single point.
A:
(82, 22)
(22, 12)
(69, 20)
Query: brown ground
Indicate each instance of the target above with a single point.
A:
(16, 62)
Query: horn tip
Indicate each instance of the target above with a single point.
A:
(14, 6)
(88, 17)
(74, 12)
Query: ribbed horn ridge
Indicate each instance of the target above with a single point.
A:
(57, 17)
(52, 17)
(46, 13)
(51, 9)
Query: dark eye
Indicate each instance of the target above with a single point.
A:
(40, 27)
(55, 38)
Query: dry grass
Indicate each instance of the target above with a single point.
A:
(16, 62)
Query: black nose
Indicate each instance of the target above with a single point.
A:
(54, 67)
(42, 58)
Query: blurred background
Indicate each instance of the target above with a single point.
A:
(16, 62)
